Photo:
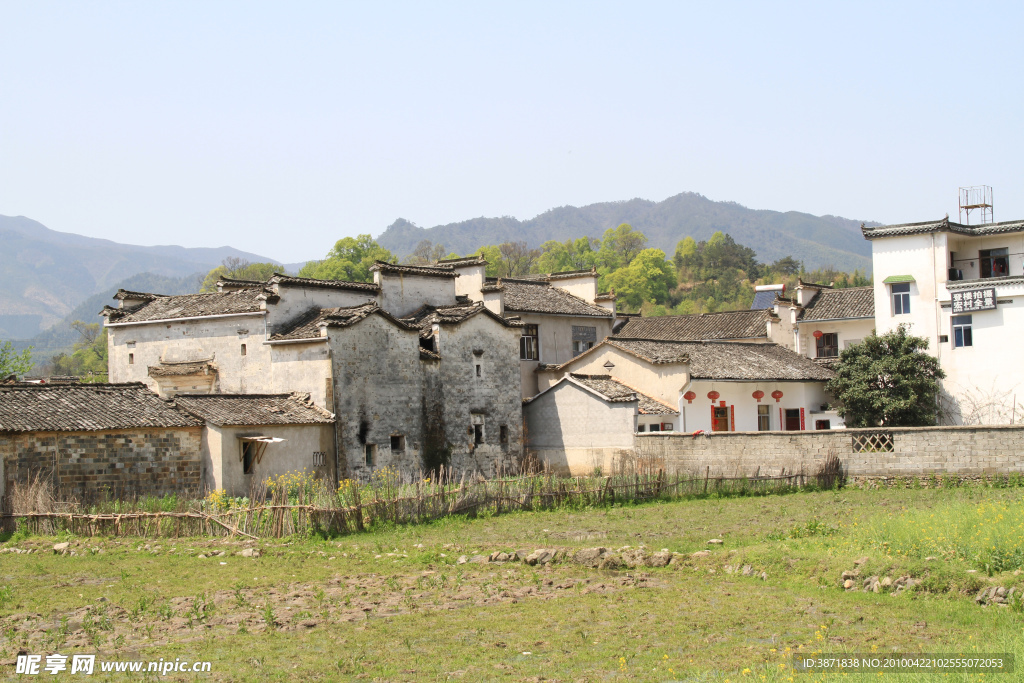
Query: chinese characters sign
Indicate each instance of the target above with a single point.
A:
(974, 300)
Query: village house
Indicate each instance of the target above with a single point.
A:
(584, 423)
(415, 375)
(96, 440)
(562, 314)
(961, 287)
(742, 380)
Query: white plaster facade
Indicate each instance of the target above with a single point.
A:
(939, 261)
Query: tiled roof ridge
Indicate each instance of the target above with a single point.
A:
(78, 385)
(691, 341)
(567, 274)
(813, 284)
(746, 311)
(941, 225)
(129, 294)
(463, 261)
(281, 278)
(427, 271)
(674, 409)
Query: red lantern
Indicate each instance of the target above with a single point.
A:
(758, 395)
(776, 395)
(713, 395)
(817, 334)
(689, 396)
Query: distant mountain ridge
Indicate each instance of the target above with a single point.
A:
(44, 273)
(815, 240)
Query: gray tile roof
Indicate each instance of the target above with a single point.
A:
(190, 305)
(286, 280)
(182, 369)
(538, 296)
(569, 274)
(253, 409)
(615, 391)
(427, 271)
(86, 408)
(838, 304)
(752, 324)
(722, 360)
(943, 225)
(308, 325)
(464, 261)
(427, 316)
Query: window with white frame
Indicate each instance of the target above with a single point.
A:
(764, 418)
(900, 298)
(962, 333)
(529, 349)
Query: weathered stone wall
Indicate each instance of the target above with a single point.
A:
(916, 451)
(484, 342)
(123, 463)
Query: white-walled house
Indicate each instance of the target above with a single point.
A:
(715, 386)
(562, 314)
(424, 384)
(582, 422)
(961, 287)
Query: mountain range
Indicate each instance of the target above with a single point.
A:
(816, 240)
(44, 273)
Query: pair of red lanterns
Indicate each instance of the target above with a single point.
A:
(714, 395)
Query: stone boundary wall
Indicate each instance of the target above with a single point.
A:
(915, 451)
(90, 465)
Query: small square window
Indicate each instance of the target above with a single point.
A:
(641, 428)
(963, 334)
(823, 424)
(131, 359)
(370, 454)
(667, 426)
(828, 345)
(901, 298)
(655, 428)
(243, 349)
(398, 443)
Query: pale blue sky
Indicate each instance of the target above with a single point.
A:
(281, 127)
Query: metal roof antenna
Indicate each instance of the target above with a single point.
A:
(977, 199)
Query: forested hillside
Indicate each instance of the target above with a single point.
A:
(817, 241)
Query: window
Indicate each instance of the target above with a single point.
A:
(243, 349)
(529, 349)
(579, 347)
(503, 434)
(764, 418)
(478, 373)
(719, 419)
(319, 458)
(901, 298)
(823, 424)
(792, 419)
(828, 345)
(962, 335)
(370, 454)
(248, 456)
(398, 443)
(994, 262)
(478, 428)
(667, 426)
(641, 428)
(131, 359)
(655, 428)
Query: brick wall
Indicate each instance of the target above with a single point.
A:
(915, 451)
(123, 463)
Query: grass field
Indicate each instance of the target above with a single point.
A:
(392, 604)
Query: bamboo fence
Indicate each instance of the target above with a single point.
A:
(280, 514)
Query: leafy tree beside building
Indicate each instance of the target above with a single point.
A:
(889, 380)
(350, 259)
(12, 362)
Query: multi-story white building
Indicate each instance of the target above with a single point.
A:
(961, 287)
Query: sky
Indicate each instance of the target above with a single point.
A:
(279, 128)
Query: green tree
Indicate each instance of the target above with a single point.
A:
(350, 259)
(887, 379)
(558, 257)
(89, 357)
(426, 252)
(619, 246)
(686, 257)
(12, 362)
(648, 278)
(238, 269)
